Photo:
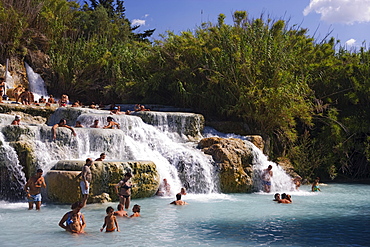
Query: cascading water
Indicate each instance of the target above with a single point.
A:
(280, 181)
(12, 177)
(36, 83)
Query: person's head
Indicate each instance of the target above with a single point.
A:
(136, 208)
(183, 190)
(39, 172)
(165, 180)
(17, 118)
(109, 119)
(63, 121)
(96, 121)
(51, 96)
(2, 79)
(78, 123)
(120, 207)
(74, 217)
(102, 155)
(288, 197)
(283, 196)
(178, 196)
(89, 161)
(277, 196)
(128, 175)
(269, 167)
(109, 210)
(76, 206)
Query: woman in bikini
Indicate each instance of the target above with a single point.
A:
(67, 219)
(123, 189)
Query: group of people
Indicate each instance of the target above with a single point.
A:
(284, 198)
(111, 124)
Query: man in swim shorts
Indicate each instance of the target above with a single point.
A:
(86, 180)
(266, 178)
(33, 189)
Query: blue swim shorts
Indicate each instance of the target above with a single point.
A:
(267, 183)
(34, 198)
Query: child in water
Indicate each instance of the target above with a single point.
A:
(110, 221)
(315, 185)
(75, 226)
(136, 210)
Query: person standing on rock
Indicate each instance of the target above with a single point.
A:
(17, 120)
(2, 88)
(86, 178)
(266, 179)
(33, 189)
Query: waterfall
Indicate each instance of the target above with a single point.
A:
(36, 83)
(12, 177)
(280, 181)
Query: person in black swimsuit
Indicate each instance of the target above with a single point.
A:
(123, 189)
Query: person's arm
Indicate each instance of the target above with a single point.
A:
(83, 222)
(26, 187)
(53, 131)
(72, 129)
(118, 126)
(116, 187)
(109, 125)
(116, 223)
(61, 222)
(105, 223)
(43, 185)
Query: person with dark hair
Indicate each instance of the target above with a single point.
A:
(111, 124)
(62, 123)
(33, 189)
(136, 210)
(110, 221)
(178, 200)
(95, 124)
(17, 120)
(123, 190)
(285, 199)
(67, 219)
(266, 179)
(276, 197)
(102, 157)
(86, 177)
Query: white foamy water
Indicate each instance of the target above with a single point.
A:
(36, 83)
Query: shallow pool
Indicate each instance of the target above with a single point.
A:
(337, 216)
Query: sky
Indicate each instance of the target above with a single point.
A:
(345, 20)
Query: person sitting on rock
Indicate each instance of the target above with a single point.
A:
(17, 120)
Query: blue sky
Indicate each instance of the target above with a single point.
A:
(348, 20)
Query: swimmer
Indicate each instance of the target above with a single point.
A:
(315, 185)
(62, 123)
(102, 157)
(120, 211)
(183, 191)
(286, 199)
(179, 201)
(110, 221)
(78, 125)
(67, 218)
(111, 124)
(96, 124)
(136, 210)
(276, 197)
(17, 120)
(266, 178)
(75, 225)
